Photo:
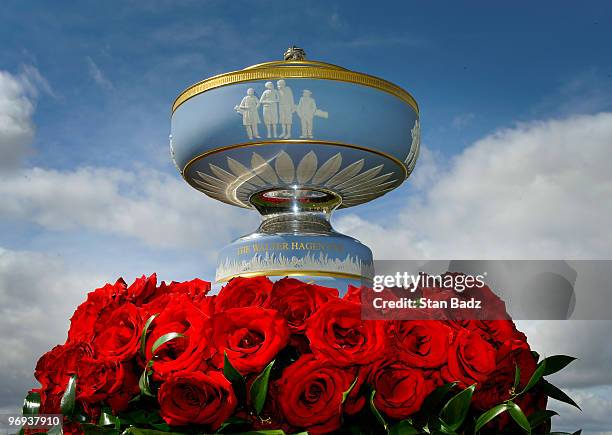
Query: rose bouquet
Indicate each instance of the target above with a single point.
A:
(284, 357)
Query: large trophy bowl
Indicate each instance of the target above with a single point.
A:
(295, 140)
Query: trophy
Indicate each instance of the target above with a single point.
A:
(295, 140)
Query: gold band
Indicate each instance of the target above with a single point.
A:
(289, 272)
(294, 142)
(266, 72)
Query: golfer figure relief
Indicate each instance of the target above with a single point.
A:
(278, 107)
(286, 107)
(269, 101)
(250, 117)
(307, 110)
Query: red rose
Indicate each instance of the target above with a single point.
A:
(492, 307)
(400, 389)
(498, 331)
(498, 386)
(310, 394)
(117, 336)
(142, 289)
(251, 337)
(471, 359)
(189, 352)
(55, 367)
(297, 301)
(340, 337)
(101, 301)
(98, 379)
(271, 416)
(244, 292)
(53, 371)
(421, 343)
(196, 398)
(120, 399)
(196, 289)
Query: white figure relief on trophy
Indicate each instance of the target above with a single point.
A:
(269, 101)
(307, 110)
(415, 134)
(286, 107)
(278, 108)
(250, 116)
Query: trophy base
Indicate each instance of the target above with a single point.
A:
(296, 239)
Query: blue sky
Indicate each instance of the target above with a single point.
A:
(515, 112)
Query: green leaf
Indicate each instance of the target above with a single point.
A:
(347, 392)
(143, 336)
(229, 371)
(377, 413)
(232, 421)
(456, 409)
(165, 339)
(435, 397)
(555, 393)
(517, 376)
(517, 415)
(108, 419)
(539, 417)
(404, 427)
(140, 431)
(488, 416)
(259, 389)
(440, 427)
(535, 378)
(164, 427)
(69, 398)
(143, 382)
(235, 378)
(55, 430)
(557, 363)
(31, 403)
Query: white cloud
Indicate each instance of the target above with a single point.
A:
(595, 417)
(539, 190)
(153, 207)
(17, 100)
(38, 294)
(97, 75)
(587, 340)
(462, 120)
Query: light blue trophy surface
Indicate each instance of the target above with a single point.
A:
(295, 140)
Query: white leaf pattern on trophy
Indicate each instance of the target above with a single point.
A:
(263, 169)
(222, 174)
(243, 172)
(363, 177)
(345, 174)
(374, 182)
(353, 185)
(284, 167)
(307, 167)
(211, 180)
(328, 169)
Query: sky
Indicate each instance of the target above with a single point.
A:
(516, 122)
